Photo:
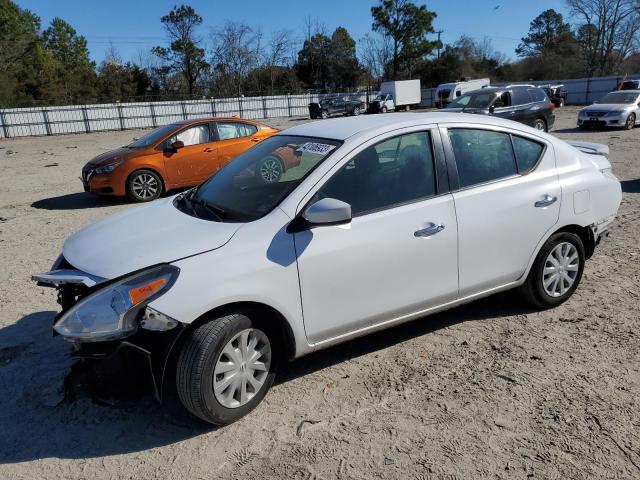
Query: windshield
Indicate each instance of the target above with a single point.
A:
(473, 100)
(251, 185)
(619, 98)
(153, 136)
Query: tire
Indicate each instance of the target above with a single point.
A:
(324, 114)
(144, 186)
(407, 108)
(356, 111)
(269, 169)
(631, 122)
(205, 350)
(383, 110)
(542, 271)
(540, 124)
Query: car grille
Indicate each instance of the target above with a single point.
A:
(595, 114)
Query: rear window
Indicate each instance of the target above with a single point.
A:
(630, 85)
(537, 94)
(520, 96)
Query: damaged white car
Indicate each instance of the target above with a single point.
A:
(385, 219)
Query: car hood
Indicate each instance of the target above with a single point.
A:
(105, 158)
(143, 236)
(606, 107)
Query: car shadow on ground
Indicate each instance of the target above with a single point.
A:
(631, 186)
(39, 421)
(76, 201)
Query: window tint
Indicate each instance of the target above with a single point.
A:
(482, 155)
(192, 136)
(537, 94)
(504, 100)
(394, 171)
(228, 130)
(520, 96)
(527, 153)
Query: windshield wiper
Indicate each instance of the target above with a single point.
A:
(218, 212)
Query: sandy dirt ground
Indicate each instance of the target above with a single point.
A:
(488, 390)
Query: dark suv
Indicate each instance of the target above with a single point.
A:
(522, 103)
(345, 105)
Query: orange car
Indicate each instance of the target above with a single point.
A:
(180, 154)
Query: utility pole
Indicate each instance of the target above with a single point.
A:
(439, 32)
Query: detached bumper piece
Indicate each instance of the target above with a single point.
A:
(138, 362)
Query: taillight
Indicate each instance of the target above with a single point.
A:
(552, 105)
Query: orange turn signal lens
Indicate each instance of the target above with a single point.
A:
(144, 291)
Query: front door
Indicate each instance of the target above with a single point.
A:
(398, 255)
(508, 199)
(182, 165)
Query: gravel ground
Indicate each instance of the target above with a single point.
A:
(488, 390)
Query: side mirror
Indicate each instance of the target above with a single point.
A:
(328, 211)
(492, 109)
(177, 144)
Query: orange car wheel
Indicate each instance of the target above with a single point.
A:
(144, 186)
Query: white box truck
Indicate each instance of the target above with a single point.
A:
(398, 95)
(448, 92)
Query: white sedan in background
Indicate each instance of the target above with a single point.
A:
(619, 109)
(386, 219)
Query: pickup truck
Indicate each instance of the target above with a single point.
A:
(344, 105)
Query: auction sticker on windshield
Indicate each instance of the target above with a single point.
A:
(317, 148)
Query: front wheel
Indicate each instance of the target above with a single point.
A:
(556, 272)
(324, 114)
(144, 186)
(356, 111)
(631, 121)
(225, 368)
(383, 109)
(540, 124)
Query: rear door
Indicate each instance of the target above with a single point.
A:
(233, 138)
(503, 107)
(183, 166)
(507, 198)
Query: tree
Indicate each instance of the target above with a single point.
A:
(408, 26)
(376, 56)
(548, 32)
(183, 55)
(235, 52)
(72, 70)
(278, 55)
(608, 33)
(312, 66)
(344, 68)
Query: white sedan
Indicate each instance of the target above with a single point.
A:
(385, 219)
(619, 109)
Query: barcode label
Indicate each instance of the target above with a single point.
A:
(317, 148)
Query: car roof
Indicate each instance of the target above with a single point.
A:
(346, 127)
(191, 121)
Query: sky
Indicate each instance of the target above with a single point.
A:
(133, 26)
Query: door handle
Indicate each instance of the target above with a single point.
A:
(429, 230)
(255, 140)
(208, 150)
(546, 201)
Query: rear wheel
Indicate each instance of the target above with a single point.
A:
(631, 121)
(540, 124)
(144, 186)
(356, 111)
(226, 367)
(556, 272)
(324, 114)
(270, 169)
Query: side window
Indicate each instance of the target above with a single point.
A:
(503, 100)
(527, 153)
(537, 94)
(391, 172)
(520, 96)
(229, 130)
(482, 155)
(192, 136)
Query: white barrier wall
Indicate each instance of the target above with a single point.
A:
(20, 122)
